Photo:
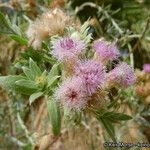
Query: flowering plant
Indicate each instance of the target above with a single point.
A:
(73, 73)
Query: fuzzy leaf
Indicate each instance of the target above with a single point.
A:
(53, 75)
(52, 80)
(34, 96)
(35, 69)
(53, 72)
(9, 81)
(26, 87)
(6, 27)
(84, 27)
(28, 73)
(84, 33)
(55, 117)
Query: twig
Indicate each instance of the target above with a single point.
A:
(131, 55)
(103, 11)
(131, 50)
(89, 129)
(11, 117)
(39, 115)
(6, 5)
(25, 129)
(47, 140)
(142, 36)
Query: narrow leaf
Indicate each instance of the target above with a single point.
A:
(55, 117)
(35, 69)
(26, 83)
(4, 22)
(109, 128)
(116, 116)
(9, 81)
(26, 87)
(52, 80)
(6, 27)
(54, 71)
(34, 96)
(19, 39)
(28, 73)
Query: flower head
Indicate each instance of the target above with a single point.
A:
(67, 48)
(146, 68)
(122, 75)
(71, 94)
(92, 74)
(49, 24)
(105, 50)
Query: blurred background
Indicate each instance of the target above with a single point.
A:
(125, 21)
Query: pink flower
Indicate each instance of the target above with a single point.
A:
(105, 50)
(122, 75)
(146, 68)
(92, 74)
(71, 94)
(67, 48)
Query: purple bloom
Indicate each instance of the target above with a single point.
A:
(146, 68)
(105, 50)
(71, 94)
(92, 74)
(67, 48)
(122, 75)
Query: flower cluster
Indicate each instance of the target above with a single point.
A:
(85, 77)
(89, 77)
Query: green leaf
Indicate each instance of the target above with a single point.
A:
(116, 116)
(34, 96)
(26, 87)
(8, 82)
(18, 83)
(34, 68)
(19, 39)
(28, 73)
(88, 38)
(109, 128)
(6, 27)
(84, 27)
(54, 71)
(31, 53)
(53, 74)
(84, 32)
(112, 104)
(45, 46)
(52, 80)
(55, 117)
(108, 118)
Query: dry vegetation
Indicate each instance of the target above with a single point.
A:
(128, 23)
